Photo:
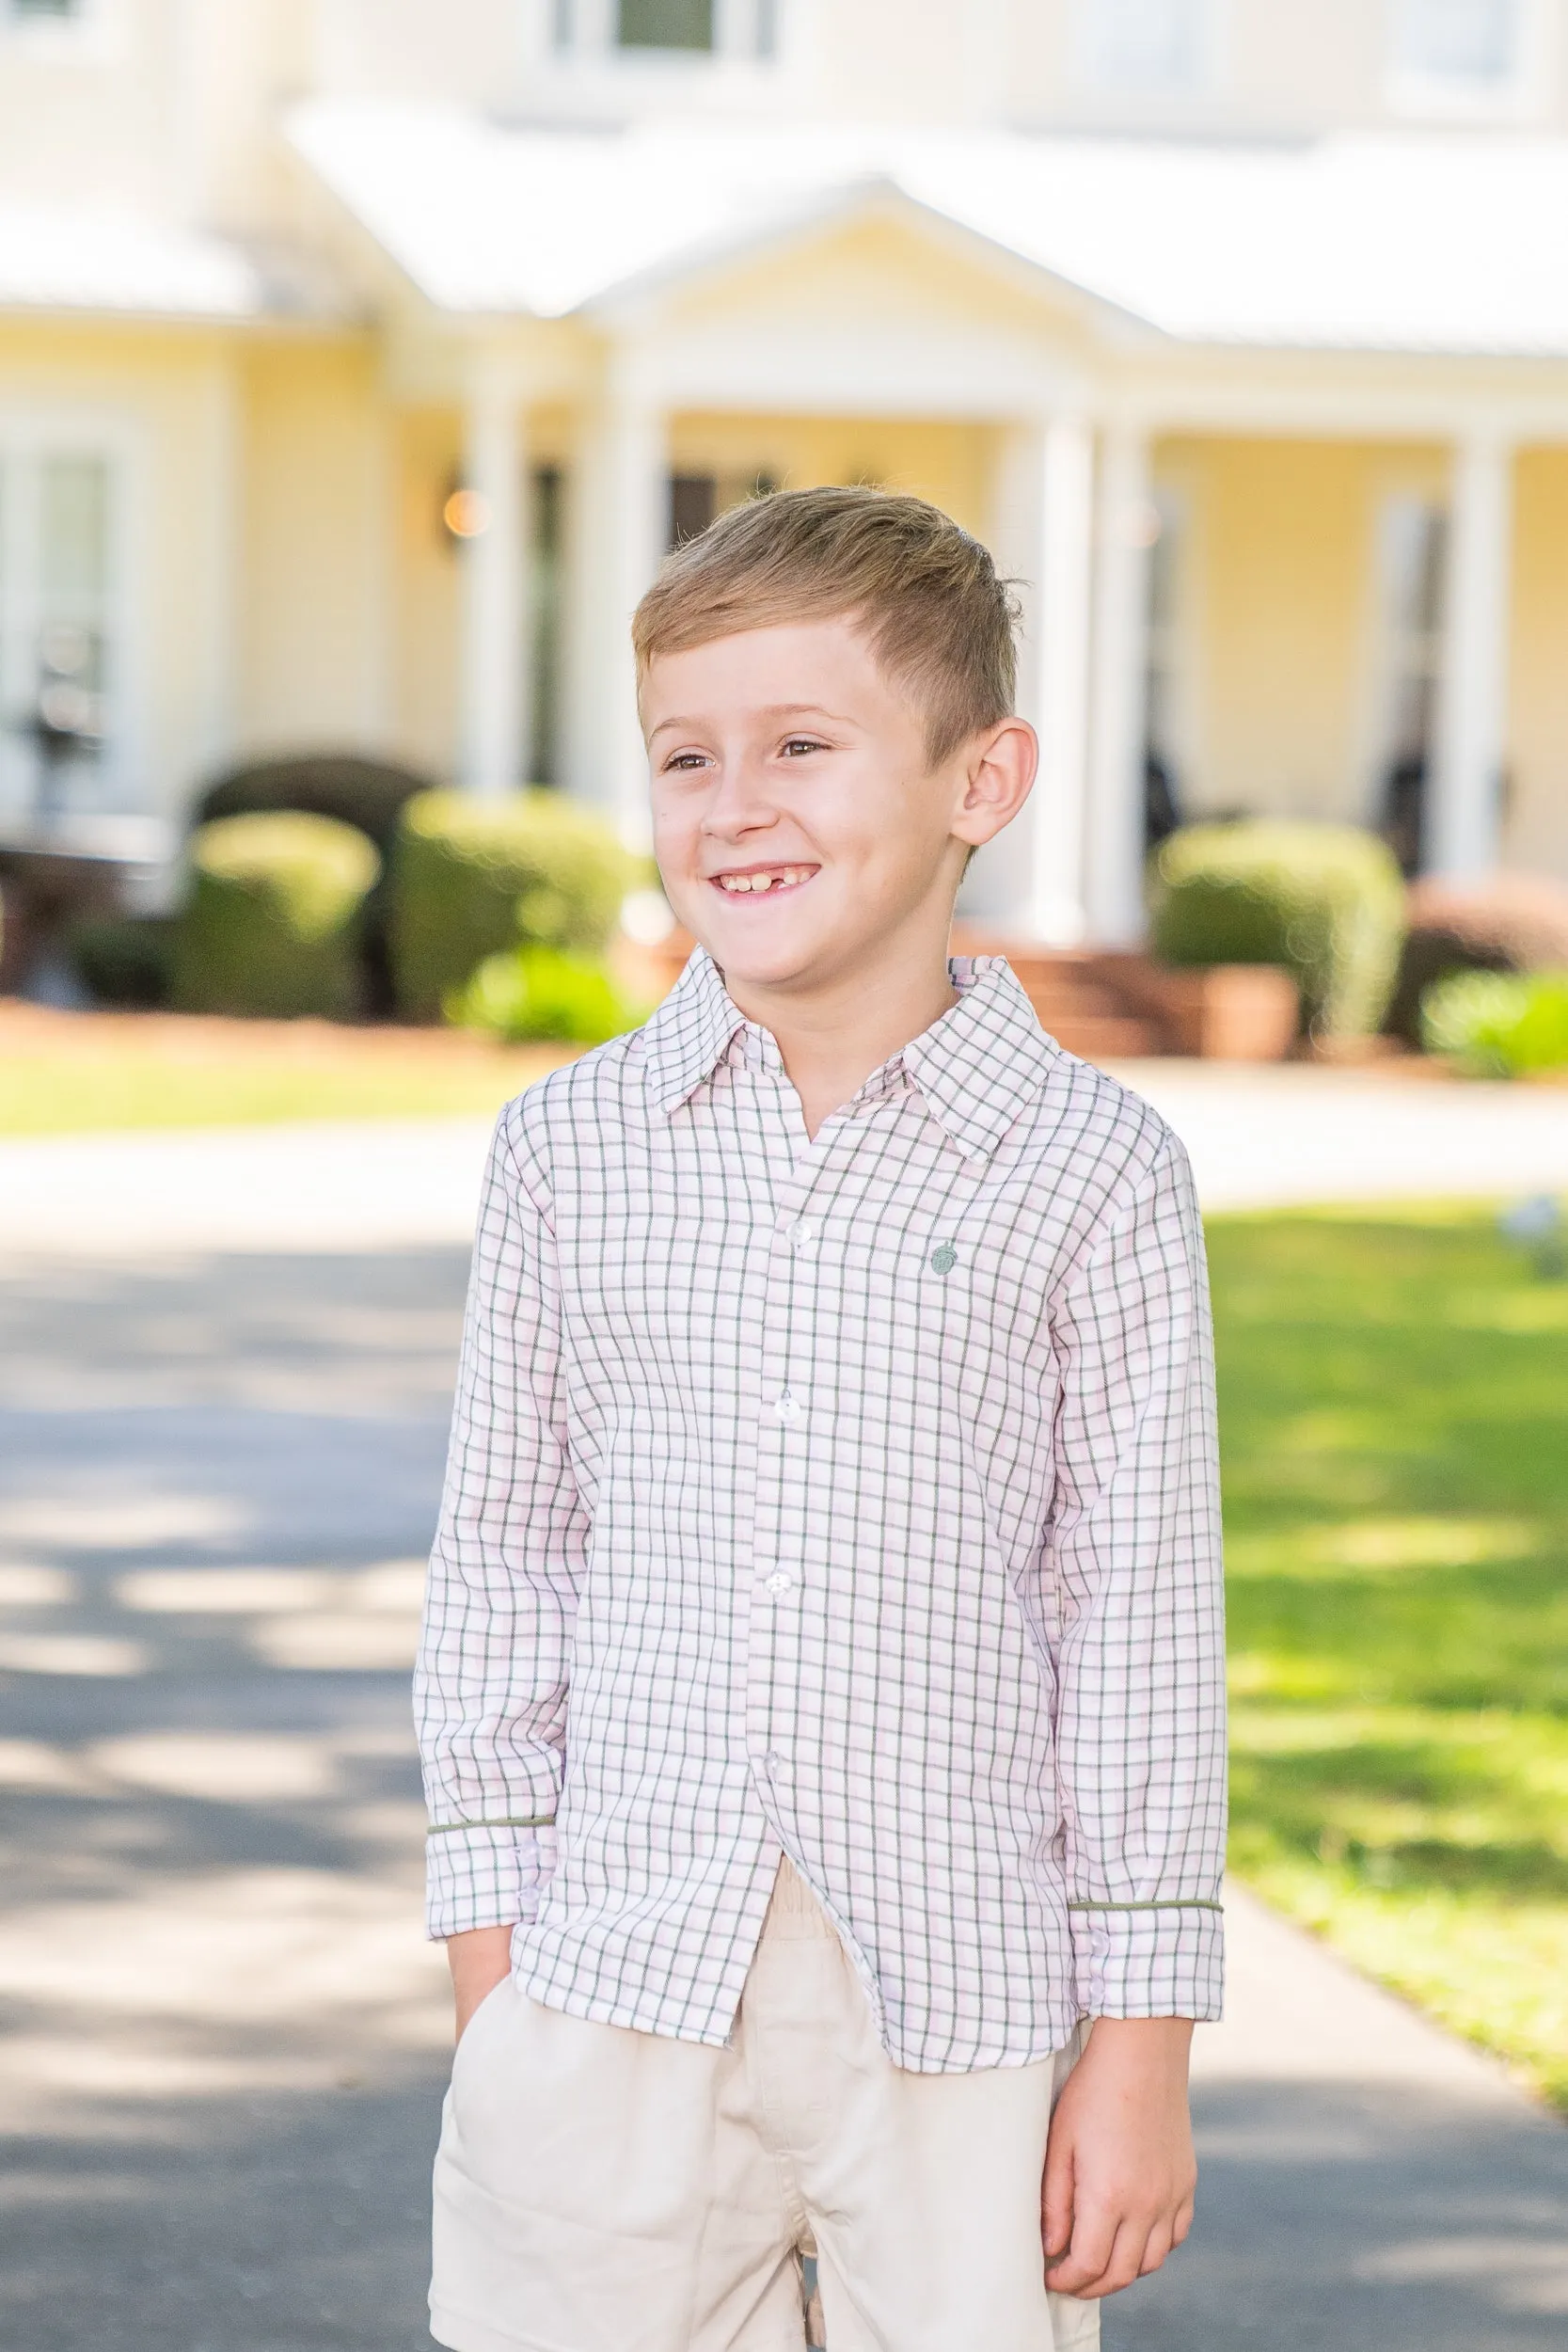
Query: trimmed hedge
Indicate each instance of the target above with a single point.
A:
(368, 793)
(471, 876)
(271, 925)
(1500, 1024)
(1512, 923)
(526, 996)
(1325, 902)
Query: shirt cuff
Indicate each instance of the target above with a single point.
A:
(1164, 1960)
(488, 1876)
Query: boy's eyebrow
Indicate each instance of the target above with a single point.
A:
(774, 710)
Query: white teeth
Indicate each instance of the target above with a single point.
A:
(779, 880)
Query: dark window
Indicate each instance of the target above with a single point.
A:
(693, 503)
(664, 24)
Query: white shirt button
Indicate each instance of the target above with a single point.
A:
(772, 1763)
(802, 1237)
(788, 1407)
(780, 1583)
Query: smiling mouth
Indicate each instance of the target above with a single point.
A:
(761, 882)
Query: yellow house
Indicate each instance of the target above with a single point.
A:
(358, 358)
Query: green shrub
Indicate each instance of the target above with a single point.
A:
(473, 877)
(271, 925)
(124, 959)
(1326, 901)
(526, 995)
(1499, 1025)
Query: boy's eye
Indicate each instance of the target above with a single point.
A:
(794, 746)
(681, 761)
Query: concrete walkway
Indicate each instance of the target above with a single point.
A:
(1260, 1139)
(225, 1365)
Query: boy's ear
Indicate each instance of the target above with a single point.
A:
(1000, 767)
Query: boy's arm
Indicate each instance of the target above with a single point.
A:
(490, 1688)
(1136, 1571)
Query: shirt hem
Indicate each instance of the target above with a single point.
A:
(1056, 2030)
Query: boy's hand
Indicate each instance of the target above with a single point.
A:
(479, 1961)
(1119, 2168)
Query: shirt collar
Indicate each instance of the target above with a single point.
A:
(977, 1068)
(690, 1033)
(986, 1060)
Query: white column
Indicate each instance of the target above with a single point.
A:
(1119, 690)
(494, 558)
(619, 527)
(1060, 704)
(1472, 715)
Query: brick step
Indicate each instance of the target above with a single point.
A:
(1056, 999)
(1106, 1037)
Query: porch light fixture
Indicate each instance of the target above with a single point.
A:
(466, 514)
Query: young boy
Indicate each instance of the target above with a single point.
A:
(820, 1693)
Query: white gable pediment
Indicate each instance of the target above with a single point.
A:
(873, 300)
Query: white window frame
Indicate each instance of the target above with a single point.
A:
(746, 32)
(1094, 72)
(28, 439)
(1425, 94)
(1170, 663)
(1407, 651)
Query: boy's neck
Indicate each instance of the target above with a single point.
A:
(832, 1034)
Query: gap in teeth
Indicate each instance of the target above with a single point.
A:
(739, 882)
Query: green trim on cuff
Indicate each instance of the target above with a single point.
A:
(1176, 1903)
(509, 1821)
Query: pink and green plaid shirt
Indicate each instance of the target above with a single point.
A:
(851, 1497)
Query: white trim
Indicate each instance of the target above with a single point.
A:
(34, 435)
(1173, 638)
(1401, 656)
(1064, 591)
(99, 35)
(1424, 93)
(617, 519)
(1464, 803)
(1113, 850)
(495, 670)
(1096, 73)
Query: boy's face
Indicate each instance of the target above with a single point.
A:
(798, 823)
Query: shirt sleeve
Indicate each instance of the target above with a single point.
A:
(490, 1687)
(1136, 1568)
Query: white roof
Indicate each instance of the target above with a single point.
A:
(1419, 243)
(52, 259)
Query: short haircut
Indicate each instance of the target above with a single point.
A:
(925, 594)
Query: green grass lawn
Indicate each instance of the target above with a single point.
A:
(1394, 1404)
(221, 1076)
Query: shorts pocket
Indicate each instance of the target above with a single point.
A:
(1075, 2325)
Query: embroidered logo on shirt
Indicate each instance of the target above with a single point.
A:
(944, 1259)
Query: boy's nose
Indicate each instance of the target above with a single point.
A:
(740, 802)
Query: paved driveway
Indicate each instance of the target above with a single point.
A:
(224, 2052)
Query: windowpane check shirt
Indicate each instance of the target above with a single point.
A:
(851, 1498)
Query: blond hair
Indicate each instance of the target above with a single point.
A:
(925, 596)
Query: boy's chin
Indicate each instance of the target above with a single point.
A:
(789, 957)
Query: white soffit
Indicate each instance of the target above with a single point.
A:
(1449, 244)
(56, 260)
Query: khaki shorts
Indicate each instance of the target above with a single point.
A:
(598, 2190)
